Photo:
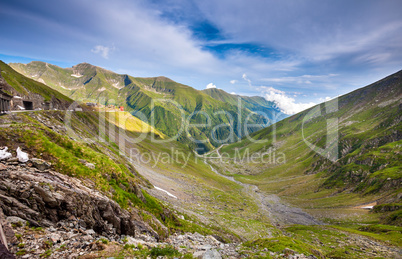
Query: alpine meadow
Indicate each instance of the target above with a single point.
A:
(185, 129)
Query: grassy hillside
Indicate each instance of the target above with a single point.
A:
(24, 86)
(367, 165)
(208, 202)
(171, 107)
(42, 134)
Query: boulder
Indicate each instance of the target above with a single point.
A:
(199, 254)
(7, 229)
(46, 196)
(16, 220)
(90, 166)
(212, 254)
(3, 167)
(288, 251)
(40, 164)
(54, 237)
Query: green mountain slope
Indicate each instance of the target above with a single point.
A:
(16, 84)
(206, 202)
(83, 81)
(169, 106)
(364, 167)
(252, 103)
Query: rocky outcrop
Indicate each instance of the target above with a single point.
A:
(6, 236)
(44, 198)
(7, 229)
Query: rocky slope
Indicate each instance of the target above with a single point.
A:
(44, 198)
(55, 216)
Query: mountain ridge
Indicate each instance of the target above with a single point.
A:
(367, 159)
(158, 98)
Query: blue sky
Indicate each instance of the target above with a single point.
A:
(296, 53)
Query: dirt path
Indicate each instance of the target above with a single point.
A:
(277, 210)
(269, 204)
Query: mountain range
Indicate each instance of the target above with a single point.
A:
(169, 106)
(303, 185)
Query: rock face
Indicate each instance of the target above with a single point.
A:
(7, 229)
(4, 253)
(46, 198)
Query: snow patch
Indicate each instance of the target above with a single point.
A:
(117, 85)
(76, 76)
(62, 86)
(22, 156)
(4, 154)
(168, 193)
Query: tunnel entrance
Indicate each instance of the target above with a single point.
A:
(28, 105)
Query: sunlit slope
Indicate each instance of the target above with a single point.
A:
(126, 121)
(171, 107)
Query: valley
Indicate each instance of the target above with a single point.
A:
(293, 201)
(160, 101)
(207, 129)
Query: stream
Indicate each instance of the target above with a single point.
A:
(277, 211)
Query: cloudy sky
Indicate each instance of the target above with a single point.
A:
(294, 52)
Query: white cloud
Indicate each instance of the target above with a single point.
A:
(211, 85)
(304, 79)
(233, 93)
(233, 82)
(327, 98)
(102, 50)
(246, 78)
(285, 103)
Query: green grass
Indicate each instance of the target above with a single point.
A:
(167, 251)
(338, 241)
(21, 252)
(388, 234)
(23, 84)
(369, 170)
(278, 244)
(46, 254)
(132, 251)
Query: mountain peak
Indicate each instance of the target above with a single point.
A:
(84, 65)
